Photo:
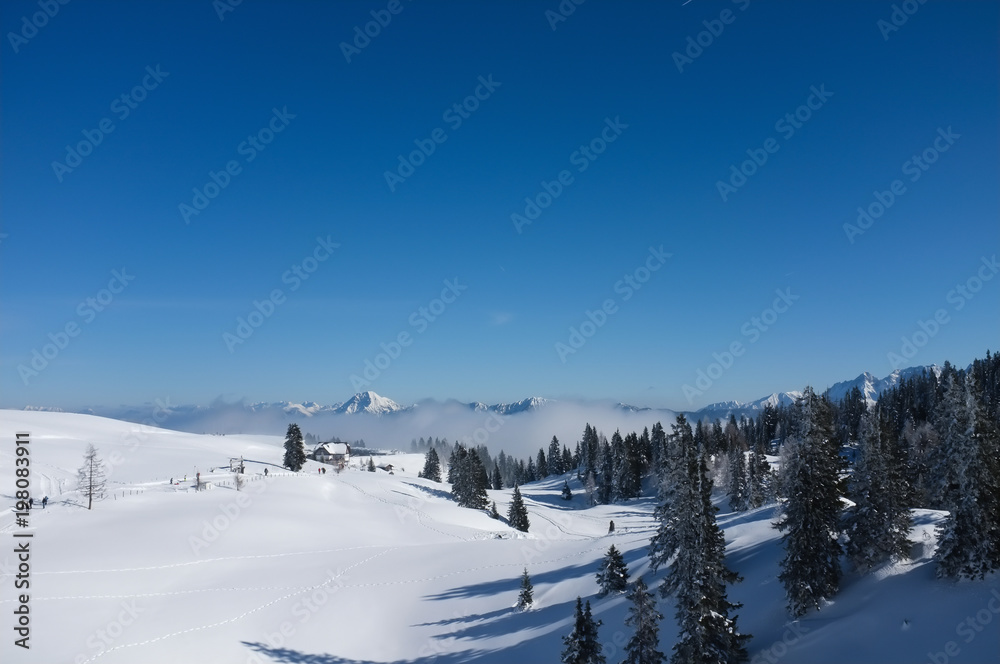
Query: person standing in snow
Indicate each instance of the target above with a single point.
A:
(45, 501)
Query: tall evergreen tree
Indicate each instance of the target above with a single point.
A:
(295, 451)
(517, 513)
(606, 481)
(525, 598)
(758, 476)
(672, 490)
(567, 462)
(496, 481)
(541, 466)
(432, 466)
(812, 512)
(530, 474)
(91, 478)
(644, 618)
(556, 458)
(739, 481)
(879, 522)
(612, 575)
(968, 538)
(582, 644)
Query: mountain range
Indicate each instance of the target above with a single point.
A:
(372, 415)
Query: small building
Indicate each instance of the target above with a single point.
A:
(333, 453)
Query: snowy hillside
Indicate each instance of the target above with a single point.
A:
(379, 567)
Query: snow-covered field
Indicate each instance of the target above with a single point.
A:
(379, 567)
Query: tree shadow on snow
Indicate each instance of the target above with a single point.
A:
(490, 588)
(266, 654)
(438, 493)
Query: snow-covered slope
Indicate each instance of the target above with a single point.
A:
(372, 567)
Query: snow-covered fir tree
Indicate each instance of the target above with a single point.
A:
(295, 451)
(541, 465)
(469, 481)
(606, 481)
(555, 458)
(644, 619)
(496, 480)
(967, 545)
(432, 466)
(566, 494)
(689, 536)
(758, 477)
(525, 598)
(612, 575)
(739, 481)
(517, 513)
(810, 569)
(582, 646)
(879, 522)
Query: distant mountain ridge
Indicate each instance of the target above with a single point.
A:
(232, 417)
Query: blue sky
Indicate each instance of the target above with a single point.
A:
(329, 126)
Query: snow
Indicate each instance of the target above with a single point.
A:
(379, 567)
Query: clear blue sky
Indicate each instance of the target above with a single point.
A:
(553, 91)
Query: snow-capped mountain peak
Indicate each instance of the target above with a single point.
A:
(368, 402)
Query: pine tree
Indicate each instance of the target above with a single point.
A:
(496, 481)
(967, 539)
(739, 485)
(812, 512)
(612, 576)
(644, 618)
(582, 644)
(493, 513)
(530, 472)
(556, 458)
(371, 465)
(542, 465)
(525, 598)
(698, 576)
(673, 487)
(432, 466)
(91, 479)
(295, 451)
(879, 522)
(605, 488)
(567, 494)
(758, 476)
(517, 513)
